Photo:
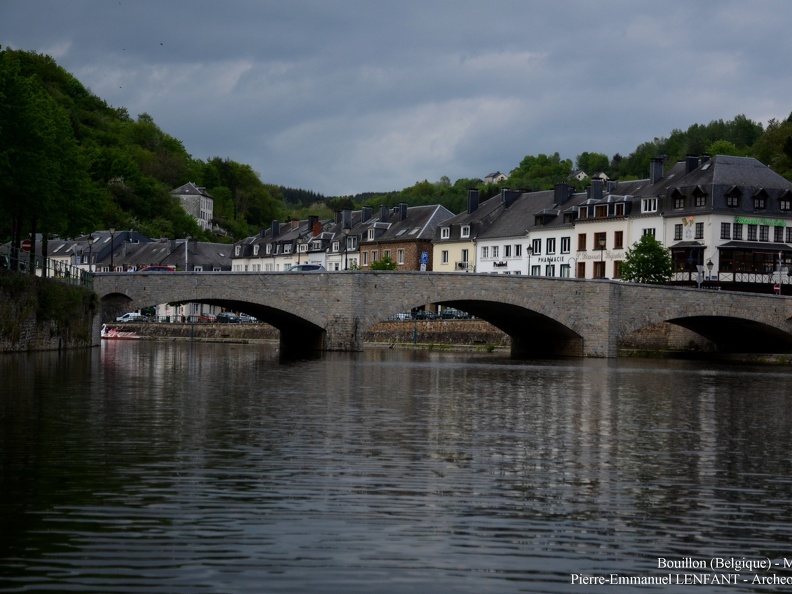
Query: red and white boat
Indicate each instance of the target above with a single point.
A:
(113, 334)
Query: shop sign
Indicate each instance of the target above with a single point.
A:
(768, 222)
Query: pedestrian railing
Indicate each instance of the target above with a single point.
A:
(45, 267)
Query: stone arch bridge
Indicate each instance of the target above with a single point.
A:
(543, 316)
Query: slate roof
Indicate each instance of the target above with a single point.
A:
(190, 189)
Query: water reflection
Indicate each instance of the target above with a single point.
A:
(176, 467)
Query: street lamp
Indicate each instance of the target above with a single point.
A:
(186, 246)
(300, 241)
(347, 230)
(529, 251)
(90, 252)
(602, 252)
(112, 241)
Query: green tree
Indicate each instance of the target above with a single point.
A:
(386, 263)
(647, 261)
(723, 147)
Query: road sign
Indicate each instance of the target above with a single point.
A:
(25, 245)
(424, 257)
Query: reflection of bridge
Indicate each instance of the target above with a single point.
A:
(543, 316)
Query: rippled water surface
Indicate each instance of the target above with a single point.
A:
(178, 467)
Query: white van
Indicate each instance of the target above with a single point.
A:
(131, 317)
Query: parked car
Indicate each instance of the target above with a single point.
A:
(131, 317)
(449, 313)
(306, 268)
(207, 318)
(158, 269)
(423, 314)
(247, 319)
(402, 316)
(226, 317)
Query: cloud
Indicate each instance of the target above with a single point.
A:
(350, 96)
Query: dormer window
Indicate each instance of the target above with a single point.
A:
(465, 231)
(649, 205)
(255, 250)
(620, 209)
(302, 247)
(445, 232)
(287, 248)
(336, 246)
(237, 250)
(583, 213)
(601, 211)
(759, 203)
(268, 249)
(370, 234)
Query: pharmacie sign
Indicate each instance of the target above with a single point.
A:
(767, 222)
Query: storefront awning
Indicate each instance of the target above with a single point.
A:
(757, 246)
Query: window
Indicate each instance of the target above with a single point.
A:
(352, 243)
(336, 246)
(536, 270)
(386, 253)
(759, 203)
(649, 205)
(287, 248)
(789, 234)
(583, 213)
(732, 201)
(565, 270)
(581, 242)
(565, 244)
(268, 249)
(620, 209)
(551, 245)
(255, 250)
(601, 211)
(649, 232)
(679, 202)
(581, 270)
(465, 255)
(465, 231)
(518, 250)
(737, 228)
(364, 255)
(599, 269)
(400, 256)
(764, 233)
(618, 240)
(678, 232)
(785, 204)
(445, 232)
(536, 246)
(237, 249)
(600, 241)
(484, 252)
(302, 247)
(496, 251)
(507, 251)
(751, 232)
(374, 255)
(778, 234)
(550, 270)
(699, 230)
(701, 200)
(617, 269)
(725, 231)
(443, 256)
(370, 234)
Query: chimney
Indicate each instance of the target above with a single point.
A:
(691, 162)
(312, 220)
(562, 192)
(473, 201)
(508, 197)
(705, 159)
(365, 214)
(296, 224)
(338, 217)
(346, 218)
(402, 211)
(656, 169)
(596, 189)
(384, 213)
(275, 229)
(316, 229)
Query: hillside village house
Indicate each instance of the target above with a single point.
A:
(197, 202)
(495, 178)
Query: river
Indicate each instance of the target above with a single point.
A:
(201, 467)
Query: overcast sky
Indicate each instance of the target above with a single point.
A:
(348, 96)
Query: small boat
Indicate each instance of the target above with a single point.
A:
(113, 334)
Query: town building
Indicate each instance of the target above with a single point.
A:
(197, 202)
